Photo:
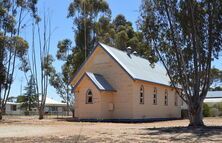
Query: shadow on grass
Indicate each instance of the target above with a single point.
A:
(209, 133)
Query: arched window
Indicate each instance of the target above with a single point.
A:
(166, 97)
(155, 96)
(141, 95)
(89, 97)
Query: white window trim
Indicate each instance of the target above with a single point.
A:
(141, 97)
(155, 96)
(87, 96)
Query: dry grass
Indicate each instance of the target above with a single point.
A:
(30, 129)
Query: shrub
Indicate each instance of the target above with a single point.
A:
(214, 112)
(219, 106)
(206, 110)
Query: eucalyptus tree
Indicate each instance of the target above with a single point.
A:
(12, 46)
(84, 14)
(60, 81)
(186, 36)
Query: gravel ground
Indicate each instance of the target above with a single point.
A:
(30, 129)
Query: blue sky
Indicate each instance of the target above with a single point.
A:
(63, 29)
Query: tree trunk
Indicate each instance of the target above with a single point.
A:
(196, 115)
(41, 114)
(67, 113)
(73, 113)
(0, 114)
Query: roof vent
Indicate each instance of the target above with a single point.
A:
(135, 53)
(129, 50)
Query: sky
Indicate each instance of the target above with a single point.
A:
(62, 28)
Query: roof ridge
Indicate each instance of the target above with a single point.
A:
(138, 56)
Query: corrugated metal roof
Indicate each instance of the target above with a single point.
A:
(214, 94)
(138, 67)
(100, 81)
(212, 100)
(50, 101)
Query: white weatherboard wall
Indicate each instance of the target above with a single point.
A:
(125, 100)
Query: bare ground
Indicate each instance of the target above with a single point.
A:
(30, 129)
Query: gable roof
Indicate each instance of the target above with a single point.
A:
(98, 80)
(136, 67)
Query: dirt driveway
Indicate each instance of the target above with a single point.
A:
(30, 129)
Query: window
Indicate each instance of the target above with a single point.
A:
(155, 96)
(166, 98)
(141, 95)
(13, 107)
(176, 99)
(53, 109)
(89, 97)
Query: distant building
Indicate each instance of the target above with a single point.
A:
(213, 97)
(13, 108)
(51, 107)
(115, 84)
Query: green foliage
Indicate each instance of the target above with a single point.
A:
(186, 37)
(63, 47)
(206, 110)
(218, 88)
(12, 46)
(214, 112)
(30, 99)
(216, 76)
(218, 106)
(48, 65)
(92, 24)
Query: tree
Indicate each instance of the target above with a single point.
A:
(92, 24)
(46, 60)
(119, 33)
(30, 98)
(186, 37)
(60, 81)
(84, 14)
(12, 46)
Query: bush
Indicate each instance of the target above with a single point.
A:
(214, 112)
(206, 110)
(218, 106)
(26, 113)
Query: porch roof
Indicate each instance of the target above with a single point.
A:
(98, 80)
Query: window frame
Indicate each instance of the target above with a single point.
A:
(141, 98)
(155, 96)
(87, 96)
(13, 107)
